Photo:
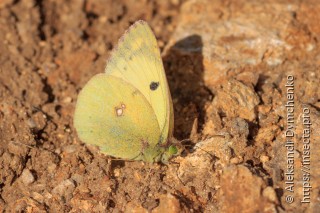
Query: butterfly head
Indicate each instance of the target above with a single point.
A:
(160, 154)
(169, 153)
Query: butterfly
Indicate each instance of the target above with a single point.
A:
(127, 111)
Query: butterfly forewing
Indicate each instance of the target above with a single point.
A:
(137, 61)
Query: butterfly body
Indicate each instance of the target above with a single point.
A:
(127, 111)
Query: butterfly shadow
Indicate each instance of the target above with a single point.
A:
(184, 67)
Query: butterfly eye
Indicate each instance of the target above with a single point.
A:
(154, 85)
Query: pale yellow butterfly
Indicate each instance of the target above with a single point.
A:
(127, 111)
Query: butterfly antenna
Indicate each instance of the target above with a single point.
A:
(186, 140)
(31, 147)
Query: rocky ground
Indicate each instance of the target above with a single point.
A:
(231, 66)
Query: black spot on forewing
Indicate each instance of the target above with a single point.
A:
(154, 85)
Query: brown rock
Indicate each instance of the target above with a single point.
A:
(85, 202)
(213, 124)
(135, 208)
(270, 194)
(237, 100)
(65, 189)
(248, 78)
(234, 37)
(199, 170)
(27, 177)
(267, 134)
(168, 203)
(238, 193)
(4, 3)
(26, 205)
(239, 130)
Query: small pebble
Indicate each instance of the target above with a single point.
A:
(270, 194)
(27, 177)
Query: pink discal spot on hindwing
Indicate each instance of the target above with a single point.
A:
(120, 109)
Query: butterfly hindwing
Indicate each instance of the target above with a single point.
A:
(115, 116)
